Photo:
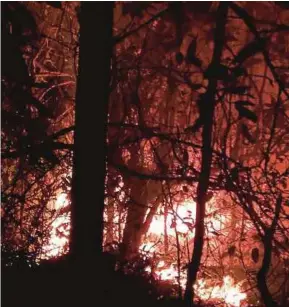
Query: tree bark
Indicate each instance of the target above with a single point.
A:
(206, 152)
(89, 161)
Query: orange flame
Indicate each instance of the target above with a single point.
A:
(181, 219)
(184, 216)
(229, 292)
(59, 234)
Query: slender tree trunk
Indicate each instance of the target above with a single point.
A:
(268, 245)
(262, 274)
(89, 161)
(135, 217)
(166, 238)
(110, 221)
(203, 183)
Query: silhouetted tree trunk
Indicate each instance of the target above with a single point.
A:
(264, 269)
(90, 150)
(203, 183)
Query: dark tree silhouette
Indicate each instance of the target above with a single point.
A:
(89, 166)
(207, 99)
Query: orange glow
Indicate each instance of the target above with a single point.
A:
(60, 229)
(163, 273)
(228, 292)
(181, 219)
(184, 215)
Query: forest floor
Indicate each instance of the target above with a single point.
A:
(64, 285)
(77, 289)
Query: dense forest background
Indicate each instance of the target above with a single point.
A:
(154, 134)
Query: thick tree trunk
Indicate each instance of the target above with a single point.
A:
(89, 161)
(203, 183)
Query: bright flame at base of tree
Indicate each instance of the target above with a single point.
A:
(228, 293)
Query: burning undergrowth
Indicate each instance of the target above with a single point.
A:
(164, 280)
(232, 250)
(164, 252)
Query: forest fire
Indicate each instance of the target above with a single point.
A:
(181, 222)
(58, 240)
(173, 118)
(229, 292)
(181, 218)
(178, 221)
